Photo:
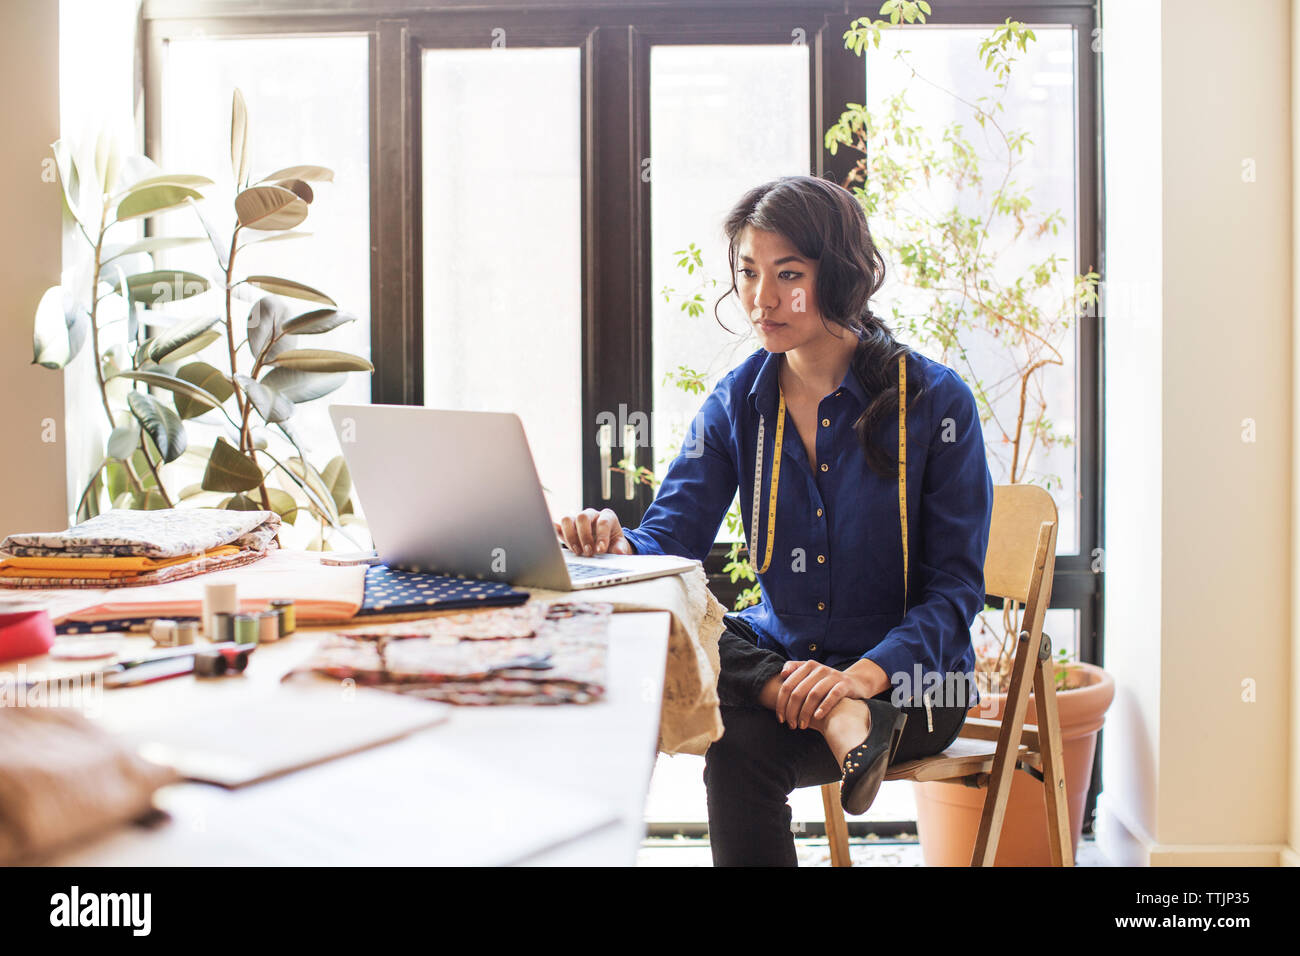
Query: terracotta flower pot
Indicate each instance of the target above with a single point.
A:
(948, 814)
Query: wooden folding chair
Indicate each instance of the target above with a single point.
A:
(1018, 568)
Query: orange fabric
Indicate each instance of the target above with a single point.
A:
(96, 566)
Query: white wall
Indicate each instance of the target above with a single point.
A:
(32, 489)
(1198, 549)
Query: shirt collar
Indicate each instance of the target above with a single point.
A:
(763, 393)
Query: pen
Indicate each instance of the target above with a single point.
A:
(146, 672)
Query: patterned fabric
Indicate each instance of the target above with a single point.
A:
(163, 533)
(174, 572)
(94, 567)
(392, 591)
(562, 662)
(106, 627)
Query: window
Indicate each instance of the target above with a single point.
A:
(502, 246)
(723, 118)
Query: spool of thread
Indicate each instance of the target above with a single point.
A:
(223, 628)
(186, 632)
(223, 598)
(209, 664)
(163, 632)
(25, 630)
(268, 626)
(246, 628)
(285, 608)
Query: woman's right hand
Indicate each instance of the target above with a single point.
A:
(591, 532)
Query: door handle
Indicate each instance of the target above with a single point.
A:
(629, 476)
(604, 436)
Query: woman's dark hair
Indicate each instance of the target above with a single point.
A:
(826, 224)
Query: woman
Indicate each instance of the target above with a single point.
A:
(845, 666)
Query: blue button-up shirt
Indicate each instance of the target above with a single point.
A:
(834, 589)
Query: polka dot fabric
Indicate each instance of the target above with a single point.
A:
(391, 591)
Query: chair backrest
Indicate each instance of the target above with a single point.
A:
(1019, 512)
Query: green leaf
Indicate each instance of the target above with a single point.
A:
(275, 237)
(105, 161)
(153, 200)
(230, 470)
(58, 331)
(287, 287)
(114, 479)
(195, 345)
(241, 503)
(202, 376)
(184, 180)
(153, 501)
(283, 504)
(142, 467)
(185, 339)
(317, 493)
(321, 320)
(239, 139)
(193, 394)
(269, 208)
(70, 182)
(299, 189)
(220, 241)
(124, 440)
(265, 321)
(322, 360)
(300, 386)
(165, 285)
(338, 481)
(150, 245)
(270, 404)
(313, 174)
(160, 422)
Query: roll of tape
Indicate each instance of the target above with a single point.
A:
(25, 630)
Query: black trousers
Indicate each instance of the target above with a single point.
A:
(750, 771)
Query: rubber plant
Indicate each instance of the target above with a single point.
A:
(267, 375)
(105, 197)
(281, 374)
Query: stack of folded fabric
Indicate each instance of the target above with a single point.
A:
(125, 548)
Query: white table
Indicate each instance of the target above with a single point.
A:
(560, 762)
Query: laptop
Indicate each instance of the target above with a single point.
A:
(457, 493)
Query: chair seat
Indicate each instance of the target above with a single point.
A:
(964, 757)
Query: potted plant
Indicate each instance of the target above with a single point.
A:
(947, 259)
(150, 380)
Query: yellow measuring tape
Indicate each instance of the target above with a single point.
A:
(776, 475)
(902, 463)
(758, 483)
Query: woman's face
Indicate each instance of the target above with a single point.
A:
(778, 290)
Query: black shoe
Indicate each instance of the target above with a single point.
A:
(865, 764)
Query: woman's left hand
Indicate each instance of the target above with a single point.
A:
(810, 690)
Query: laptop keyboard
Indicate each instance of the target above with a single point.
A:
(579, 571)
